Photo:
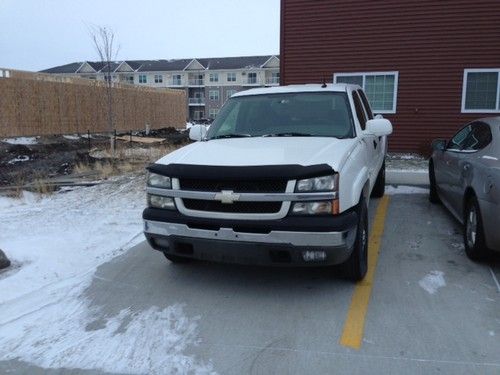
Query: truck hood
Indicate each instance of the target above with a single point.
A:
(258, 151)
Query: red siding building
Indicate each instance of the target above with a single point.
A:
(429, 66)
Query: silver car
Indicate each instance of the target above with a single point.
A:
(464, 175)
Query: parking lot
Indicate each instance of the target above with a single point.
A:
(431, 310)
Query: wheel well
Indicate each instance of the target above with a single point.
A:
(365, 193)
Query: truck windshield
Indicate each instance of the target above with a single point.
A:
(284, 115)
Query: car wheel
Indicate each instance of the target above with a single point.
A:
(475, 244)
(433, 194)
(356, 266)
(379, 188)
(176, 258)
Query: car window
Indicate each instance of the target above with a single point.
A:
(479, 137)
(360, 112)
(364, 99)
(458, 140)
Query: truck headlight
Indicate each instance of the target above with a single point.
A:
(312, 208)
(324, 183)
(159, 181)
(158, 201)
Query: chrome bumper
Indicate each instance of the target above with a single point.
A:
(314, 239)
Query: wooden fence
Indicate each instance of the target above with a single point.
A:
(37, 104)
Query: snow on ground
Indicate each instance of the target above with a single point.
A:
(401, 189)
(21, 140)
(57, 242)
(432, 281)
(71, 137)
(19, 159)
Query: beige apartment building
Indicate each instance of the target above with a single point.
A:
(208, 82)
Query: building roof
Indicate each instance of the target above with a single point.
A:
(213, 63)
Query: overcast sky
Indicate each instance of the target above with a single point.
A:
(38, 34)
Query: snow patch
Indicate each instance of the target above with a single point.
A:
(402, 189)
(64, 234)
(22, 140)
(71, 137)
(19, 159)
(151, 341)
(433, 281)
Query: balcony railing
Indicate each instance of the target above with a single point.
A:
(250, 81)
(175, 82)
(196, 101)
(196, 82)
(272, 81)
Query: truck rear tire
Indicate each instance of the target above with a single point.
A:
(356, 266)
(379, 188)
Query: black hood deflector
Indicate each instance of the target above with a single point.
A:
(241, 173)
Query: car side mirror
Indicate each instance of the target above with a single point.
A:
(197, 132)
(439, 144)
(379, 127)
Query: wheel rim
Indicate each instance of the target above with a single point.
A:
(471, 227)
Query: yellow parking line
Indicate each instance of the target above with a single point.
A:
(352, 335)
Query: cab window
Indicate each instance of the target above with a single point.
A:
(360, 112)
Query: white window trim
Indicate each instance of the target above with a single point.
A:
(464, 89)
(364, 74)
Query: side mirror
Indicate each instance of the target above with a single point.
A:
(439, 144)
(197, 132)
(379, 127)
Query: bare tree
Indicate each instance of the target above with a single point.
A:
(103, 39)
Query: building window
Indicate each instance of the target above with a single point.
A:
(176, 80)
(481, 91)
(213, 77)
(143, 78)
(231, 77)
(213, 94)
(381, 88)
(275, 78)
(158, 78)
(213, 112)
(252, 78)
(198, 115)
(230, 93)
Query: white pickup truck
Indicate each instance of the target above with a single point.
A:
(283, 176)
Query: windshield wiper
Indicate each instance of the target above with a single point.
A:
(231, 135)
(288, 134)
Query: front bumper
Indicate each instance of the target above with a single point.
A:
(272, 242)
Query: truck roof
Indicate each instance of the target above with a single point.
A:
(312, 87)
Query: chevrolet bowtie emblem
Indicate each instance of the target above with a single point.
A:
(227, 197)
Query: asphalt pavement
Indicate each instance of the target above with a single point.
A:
(431, 310)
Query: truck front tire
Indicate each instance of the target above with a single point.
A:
(356, 266)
